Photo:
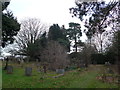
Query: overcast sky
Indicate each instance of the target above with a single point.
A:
(49, 11)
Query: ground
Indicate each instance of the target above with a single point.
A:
(85, 78)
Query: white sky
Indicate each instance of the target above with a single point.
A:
(49, 11)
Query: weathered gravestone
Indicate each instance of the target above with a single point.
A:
(107, 63)
(9, 69)
(22, 63)
(60, 71)
(109, 71)
(28, 71)
(38, 65)
(82, 64)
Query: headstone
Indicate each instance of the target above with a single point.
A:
(22, 63)
(82, 65)
(107, 63)
(60, 71)
(110, 71)
(9, 69)
(38, 65)
(28, 71)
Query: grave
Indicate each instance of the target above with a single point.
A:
(107, 63)
(28, 71)
(60, 71)
(109, 71)
(9, 69)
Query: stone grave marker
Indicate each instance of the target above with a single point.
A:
(107, 63)
(60, 71)
(10, 69)
(38, 65)
(28, 71)
(110, 71)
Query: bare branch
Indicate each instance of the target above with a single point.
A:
(31, 30)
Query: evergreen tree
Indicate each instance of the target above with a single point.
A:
(74, 33)
(59, 34)
(10, 26)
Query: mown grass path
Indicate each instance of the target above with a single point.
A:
(71, 79)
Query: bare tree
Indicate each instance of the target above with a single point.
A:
(55, 55)
(31, 30)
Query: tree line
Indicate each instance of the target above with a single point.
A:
(100, 19)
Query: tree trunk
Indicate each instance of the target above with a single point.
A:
(75, 43)
(101, 43)
(44, 68)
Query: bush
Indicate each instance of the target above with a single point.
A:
(70, 68)
(110, 57)
(98, 58)
(75, 57)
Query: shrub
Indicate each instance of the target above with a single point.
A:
(98, 58)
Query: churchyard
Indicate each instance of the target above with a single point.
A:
(60, 54)
(91, 77)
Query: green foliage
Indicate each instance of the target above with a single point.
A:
(116, 43)
(102, 58)
(98, 11)
(114, 50)
(98, 58)
(55, 32)
(110, 57)
(71, 68)
(75, 55)
(10, 28)
(75, 58)
(59, 34)
(4, 5)
(74, 32)
(34, 50)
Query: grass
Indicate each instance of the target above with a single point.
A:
(71, 79)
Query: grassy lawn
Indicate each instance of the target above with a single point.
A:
(71, 79)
